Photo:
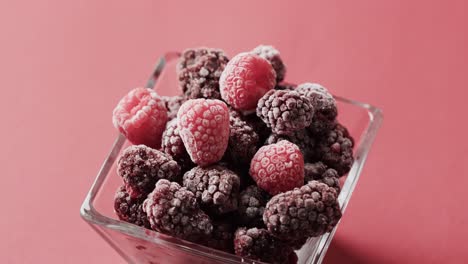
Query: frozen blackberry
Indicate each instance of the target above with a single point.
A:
(252, 203)
(129, 209)
(285, 111)
(324, 104)
(273, 56)
(258, 244)
(222, 237)
(215, 187)
(174, 210)
(308, 211)
(172, 104)
(320, 172)
(199, 71)
(243, 142)
(285, 86)
(141, 166)
(301, 138)
(172, 144)
(335, 149)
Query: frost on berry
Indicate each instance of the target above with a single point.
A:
(173, 145)
(245, 80)
(272, 55)
(278, 167)
(130, 209)
(199, 71)
(141, 166)
(259, 245)
(324, 105)
(172, 104)
(215, 187)
(141, 116)
(318, 171)
(204, 129)
(301, 138)
(252, 203)
(308, 211)
(285, 111)
(173, 210)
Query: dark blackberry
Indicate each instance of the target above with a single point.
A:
(129, 209)
(320, 172)
(324, 104)
(172, 104)
(273, 56)
(199, 71)
(285, 86)
(141, 166)
(215, 187)
(222, 237)
(335, 149)
(172, 144)
(259, 245)
(285, 111)
(301, 138)
(252, 203)
(174, 210)
(309, 211)
(243, 142)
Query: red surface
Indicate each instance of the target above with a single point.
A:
(63, 67)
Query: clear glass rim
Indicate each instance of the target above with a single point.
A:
(93, 217)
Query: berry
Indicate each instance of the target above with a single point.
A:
(320, 172)
(278, 167)
(324, 105)
(204, 129)
(243, 142)
(141, 166)
(335, 149)
(129, 209)
(215, 187)
(222, 237)
(246, 78)
(141, 116)
(252, 203)
(199, 71)
(172, 104)
(309, 211)
(259, 245)
(173, 210)
(285, 111)
(285, 86)
(272, 55)
(301, 138)
(173, 145)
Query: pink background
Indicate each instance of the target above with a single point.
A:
(63, 67)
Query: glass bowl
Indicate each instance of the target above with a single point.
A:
(139, 245)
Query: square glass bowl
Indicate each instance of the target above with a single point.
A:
(139, 245)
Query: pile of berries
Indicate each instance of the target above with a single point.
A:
(239, 161)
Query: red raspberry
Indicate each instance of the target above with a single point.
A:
(246, 78)
(141, 116)
(278, 167)
(204, 129)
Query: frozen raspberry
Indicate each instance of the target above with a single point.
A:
(173, 145)
(324, 105)
(309, 211)
(141, 166)
(285, 111)
(215, 187)
(301, 138)
(173, 210)
(258, 244)
(285, 86)
(141, 116)
(320, 172)
(245, 80)
(243, 142)
(199, 71)
(252, 203)
(222, 237)
(273, 56)
(172, 104)
(129, 209)
(278, 167)
(204, 129)
(335, 149)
